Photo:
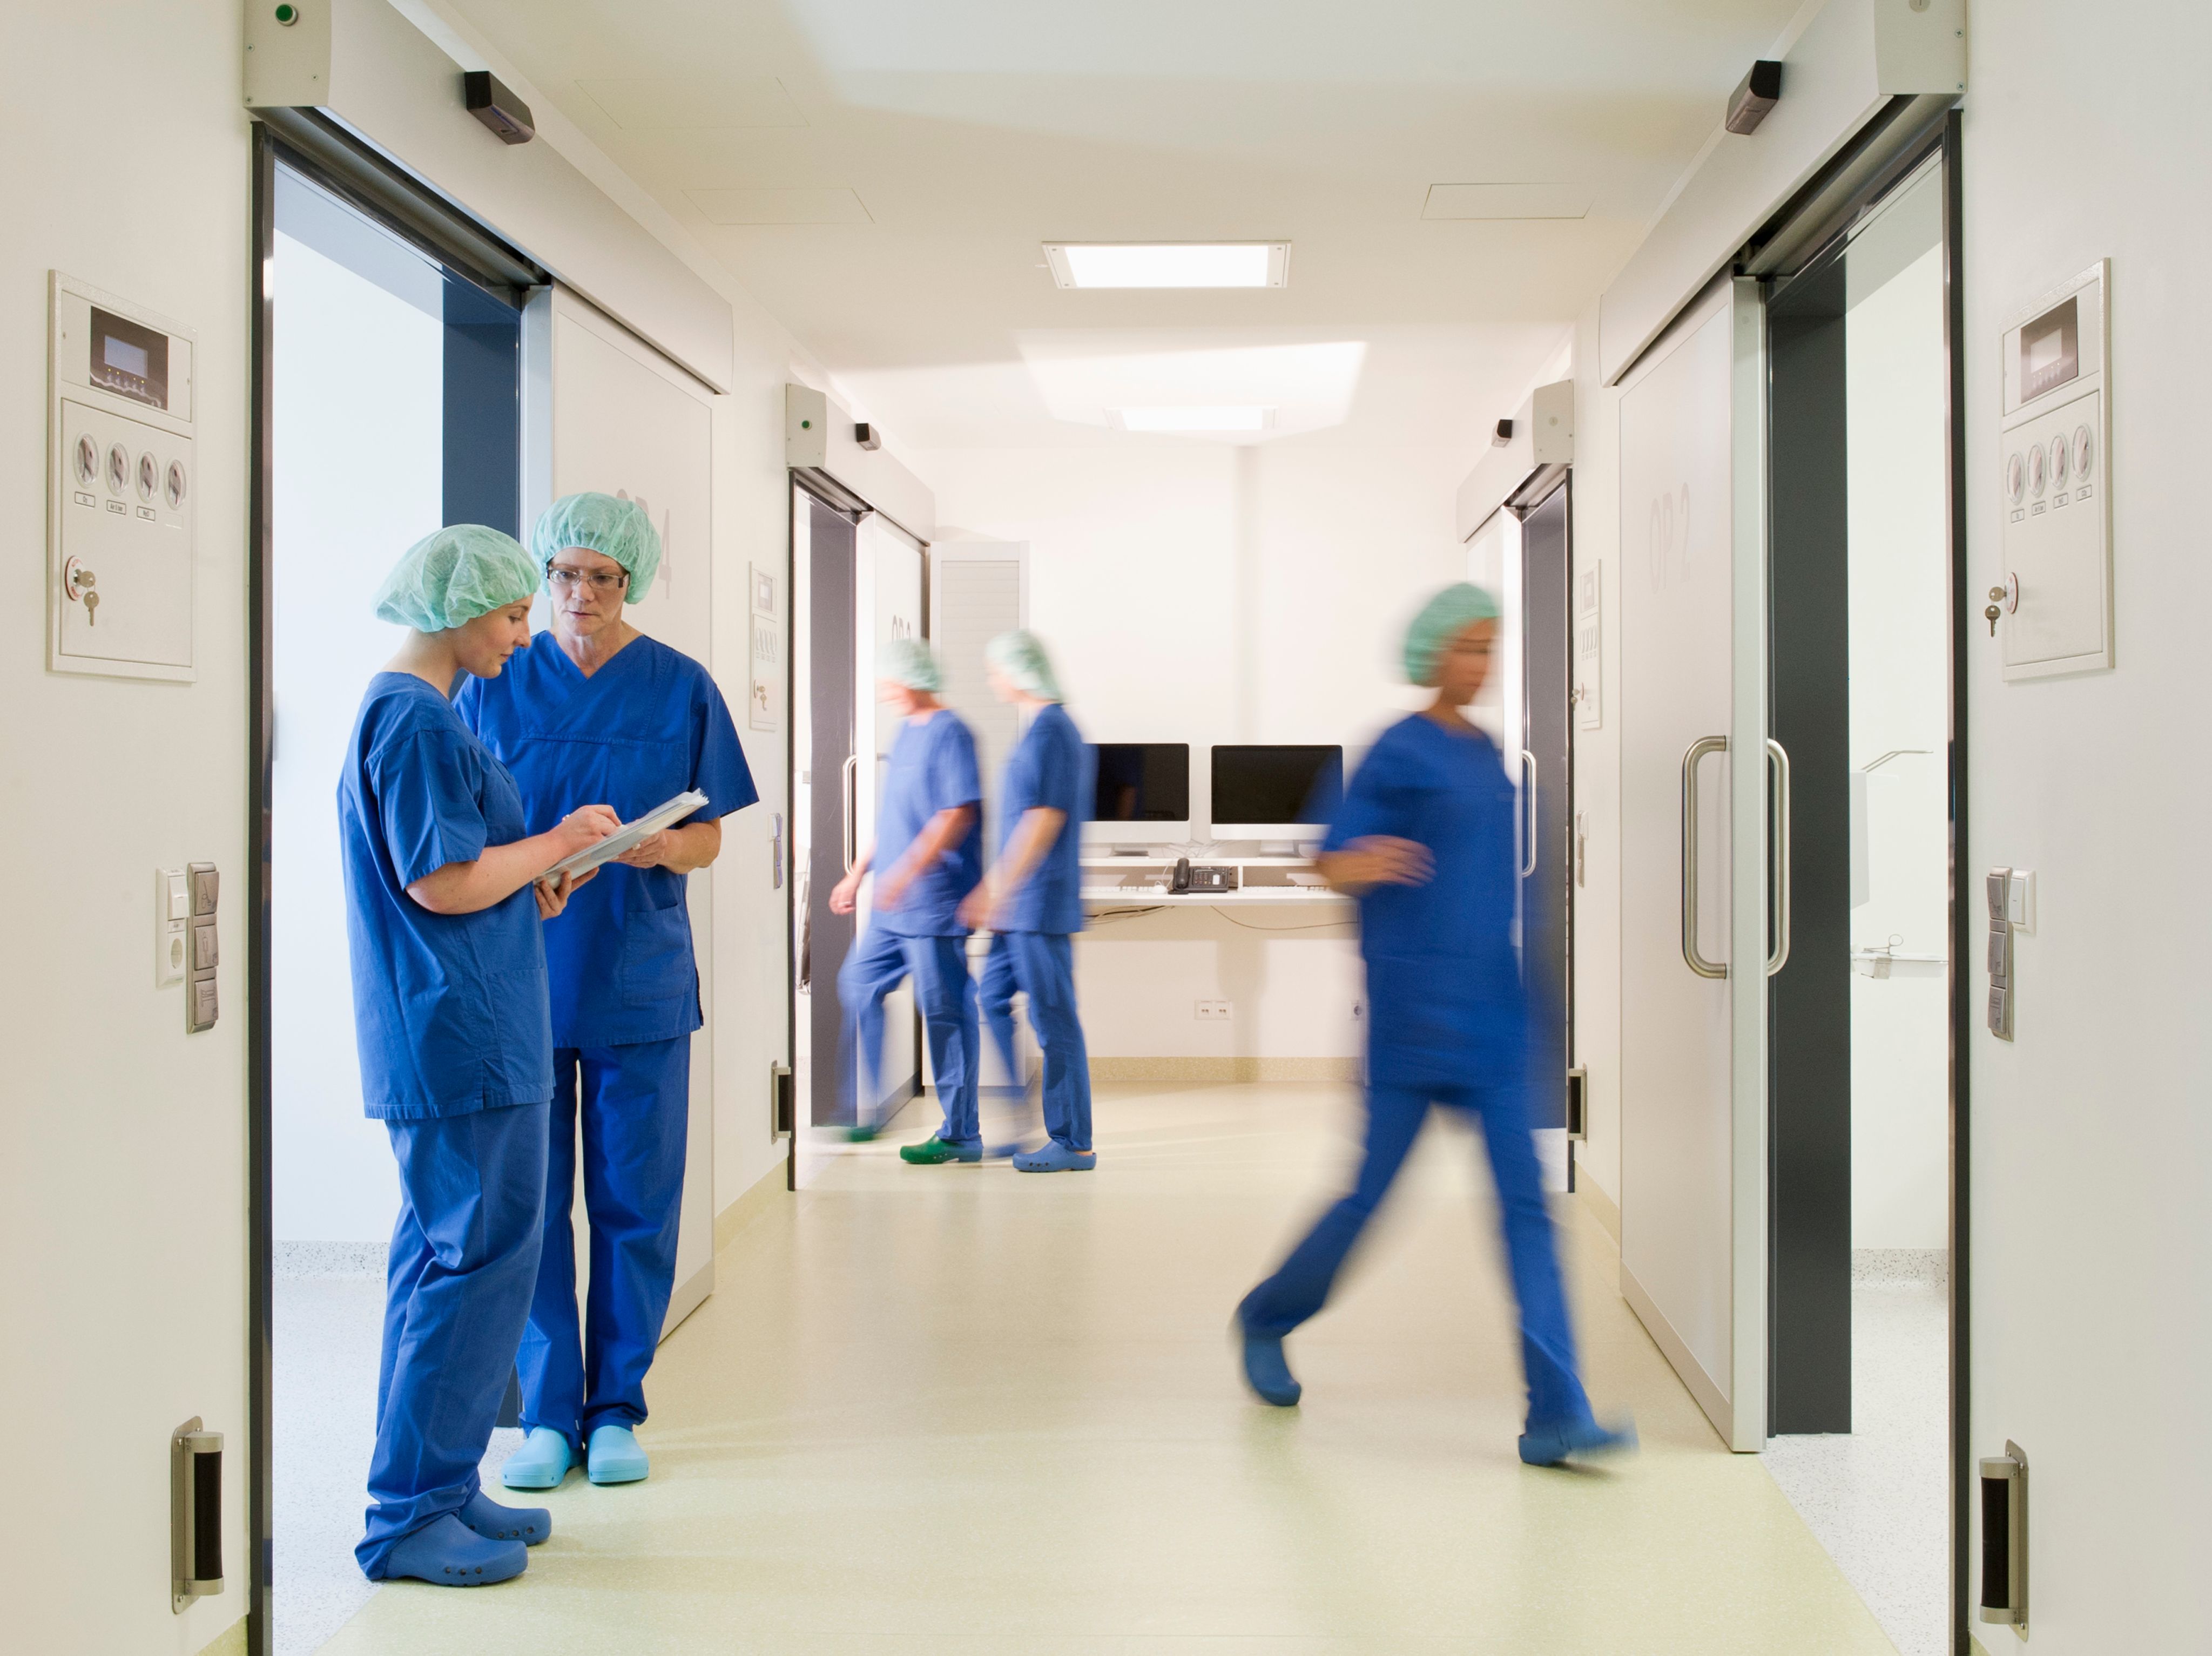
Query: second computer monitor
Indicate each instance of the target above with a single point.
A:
(1276, 793)
(1141, 794)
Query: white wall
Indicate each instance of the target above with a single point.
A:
(2091, 1275)
(333, 1178)
(751, 988)
(123, 1180)
(1899, 698)
(1193, 592)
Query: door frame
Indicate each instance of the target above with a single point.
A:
(399, 205)
(1945, 141)
(1964, 921)
(1549, 485)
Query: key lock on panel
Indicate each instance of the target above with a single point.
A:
(1778, 762)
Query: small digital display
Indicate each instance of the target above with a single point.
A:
(129, 360)
(2049, 351)
(132, 359)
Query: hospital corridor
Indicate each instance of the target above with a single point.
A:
(957, 827)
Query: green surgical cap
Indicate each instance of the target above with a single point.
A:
(1020, 656)
(464, 571)
(599, 523)
(1442, 618)
(908, 661)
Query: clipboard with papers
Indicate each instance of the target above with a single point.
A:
(660, 817)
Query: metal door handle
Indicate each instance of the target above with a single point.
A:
(1529, 808)
(1778, 761)
(848, 780)
(1691, 957)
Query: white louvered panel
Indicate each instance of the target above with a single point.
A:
(978, 598)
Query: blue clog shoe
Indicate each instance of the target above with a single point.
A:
(447, 1553)
(1559, 1442)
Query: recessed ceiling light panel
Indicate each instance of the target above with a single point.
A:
(1170, 263)
(1192, 419)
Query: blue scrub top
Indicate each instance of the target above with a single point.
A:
(450, 1010)
(933, 769)
(1444, 980)
(1050, 768)
(645, 726)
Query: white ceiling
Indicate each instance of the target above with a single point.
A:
(881, 174)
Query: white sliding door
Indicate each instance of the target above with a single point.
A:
(887, 605)
(1694, 803)
(622, 420)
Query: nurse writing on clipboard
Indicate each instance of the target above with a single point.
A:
(443, 921)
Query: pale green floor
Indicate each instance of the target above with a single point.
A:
(963, 1409)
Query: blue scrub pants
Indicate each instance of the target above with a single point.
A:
(1395, 1115)
(636, 1105)
(1042, 965)
(456, 1290)
(875, 966)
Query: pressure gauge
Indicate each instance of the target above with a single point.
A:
(87, 460)
(118, 469)
(175, 490)
(2059, 449)
(2015, 478)
(2085, 450)
(2035, 478)
(149, 476)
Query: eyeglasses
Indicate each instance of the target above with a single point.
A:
(563, 578)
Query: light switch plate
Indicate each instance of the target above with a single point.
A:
(2019, 899)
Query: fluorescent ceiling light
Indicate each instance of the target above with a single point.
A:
(1186, 419)
(1170, 263)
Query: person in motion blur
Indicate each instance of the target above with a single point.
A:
(1424, 840)
(926, 855)
(1033, 900)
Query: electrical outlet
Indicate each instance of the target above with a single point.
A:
(1211, 1011)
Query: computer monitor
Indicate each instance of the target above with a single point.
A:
(1277, 795)
(1140, 796)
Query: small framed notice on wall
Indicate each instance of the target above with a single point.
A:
(764, 694)
(1589, 588)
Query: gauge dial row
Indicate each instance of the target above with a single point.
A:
(2050, 465)
(147, 476)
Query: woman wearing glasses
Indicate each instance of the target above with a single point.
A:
(594, 709)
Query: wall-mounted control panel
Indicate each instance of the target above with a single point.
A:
(203, 953)
(2010, 895)
(2052, 604)
(123, 486)
(2011, 898)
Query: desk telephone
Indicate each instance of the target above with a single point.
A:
(1188, 880)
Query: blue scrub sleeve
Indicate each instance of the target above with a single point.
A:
(1373, 800)
(426, 801)
(954, 780)
(1059, 776)
(718, 760)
